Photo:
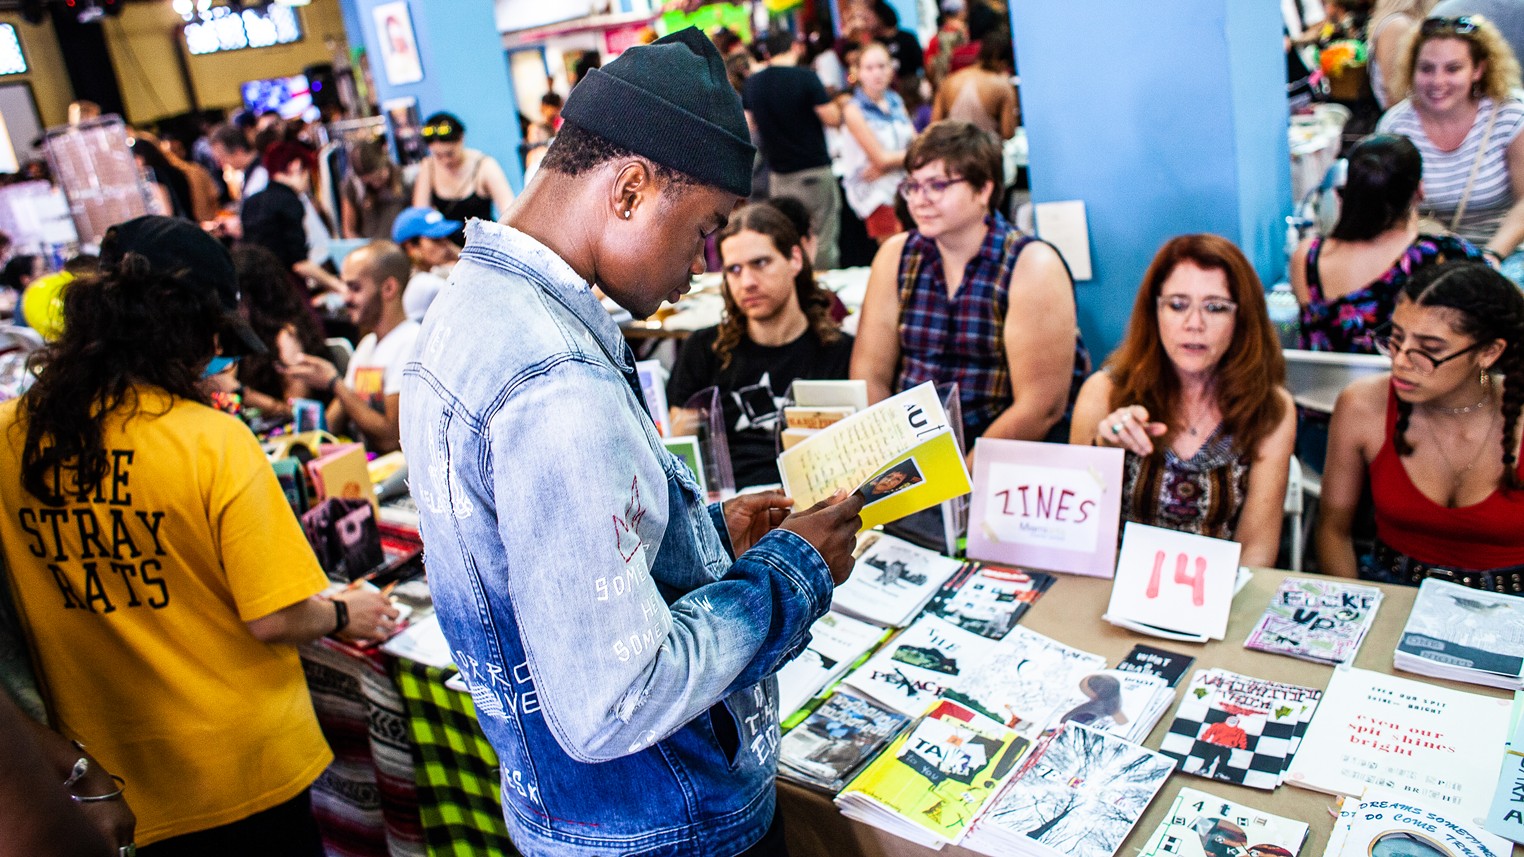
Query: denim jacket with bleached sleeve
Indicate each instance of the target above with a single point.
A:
(620, 660)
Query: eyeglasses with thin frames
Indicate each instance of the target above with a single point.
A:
(1214, 310)
(1423, 362)
(932, 188)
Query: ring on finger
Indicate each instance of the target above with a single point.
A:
(1116, 428)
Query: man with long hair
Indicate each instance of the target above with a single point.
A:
(777, 328)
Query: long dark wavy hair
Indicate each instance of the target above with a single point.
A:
(270, 301)
(1487, 307)
(813, 299)
(128, 327)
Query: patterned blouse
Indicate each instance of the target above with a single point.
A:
(1345, 324)
(1203, 494)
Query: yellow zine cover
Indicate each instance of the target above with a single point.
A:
(900, 454)
(942, 772)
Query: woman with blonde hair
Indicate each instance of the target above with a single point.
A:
(1391, 24)
(1457, 78)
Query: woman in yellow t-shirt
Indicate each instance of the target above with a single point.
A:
(160, 577)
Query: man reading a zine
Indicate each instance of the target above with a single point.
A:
(618, 636)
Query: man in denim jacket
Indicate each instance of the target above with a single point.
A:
(619, 637)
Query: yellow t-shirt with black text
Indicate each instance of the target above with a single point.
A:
(134, 600)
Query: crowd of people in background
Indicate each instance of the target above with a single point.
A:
(873, 150)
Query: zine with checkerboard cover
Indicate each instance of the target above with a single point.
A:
(1238, 729)
(1205, 825)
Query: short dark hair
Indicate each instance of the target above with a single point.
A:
(886, 14)
(576, 150)
(965, 150)
(1384, 172)
(230, 137)
(995, 53)
(778, 42)
(552, 99)
(796, 212)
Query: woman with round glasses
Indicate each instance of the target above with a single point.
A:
(1460, 111)
(955, 299)
(457, 182)
(1438, 439)
(1194, 395)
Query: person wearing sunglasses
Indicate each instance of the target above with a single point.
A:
(1195, 395)
(458, 182)
(1459, 109)
(1437, 439)
(956, 299)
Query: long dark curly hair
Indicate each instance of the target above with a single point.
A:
(813, 299)
(270, 301)
(129, 327)
(1487, 307)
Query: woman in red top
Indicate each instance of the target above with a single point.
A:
(1438, 437)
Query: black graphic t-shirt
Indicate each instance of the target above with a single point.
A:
(752, 388)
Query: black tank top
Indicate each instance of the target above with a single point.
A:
(472, 205)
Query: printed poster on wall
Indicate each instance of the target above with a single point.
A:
(399, 48)
(1047, 506)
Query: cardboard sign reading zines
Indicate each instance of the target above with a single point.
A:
(1044, 505)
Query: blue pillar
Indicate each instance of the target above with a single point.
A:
(1165, 118)
(465, 71)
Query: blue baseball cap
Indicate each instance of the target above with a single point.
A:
(422, 223)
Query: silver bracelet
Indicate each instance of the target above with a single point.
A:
(121, 786)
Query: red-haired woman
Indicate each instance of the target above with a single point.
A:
(1194, 394)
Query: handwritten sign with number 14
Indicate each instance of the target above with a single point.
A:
(1174, 581)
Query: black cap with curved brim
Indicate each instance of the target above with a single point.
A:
(179, 249)
(670, 101)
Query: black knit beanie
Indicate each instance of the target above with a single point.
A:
(670, 101)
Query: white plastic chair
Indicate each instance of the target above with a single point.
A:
(1294, 506)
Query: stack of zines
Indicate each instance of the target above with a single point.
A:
(1034, 684)
(1463, 634)
(1205, 825)
(837, 643)
(1078, 796)
(1319, 620)
(1239, 729)
(936, 778)
(1391, 823)
(892, 581)
(828, 749)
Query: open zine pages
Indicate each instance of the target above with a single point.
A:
(892, 581)
(1440, 746)
(1079, 796)
(837, 739)
(933, 782)
(1205, 825)
(1024, 679)
(1464, 634)
(836, 643)
(988, 599)
(1170, 666)
(1239, 729)
(1391, 824)
(902, 455)
(927, 658)
(1316, 619)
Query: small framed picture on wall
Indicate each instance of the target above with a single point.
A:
(399, 48)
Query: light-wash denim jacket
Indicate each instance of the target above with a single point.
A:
(620, 660)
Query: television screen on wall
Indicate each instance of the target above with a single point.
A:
(289, 96)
